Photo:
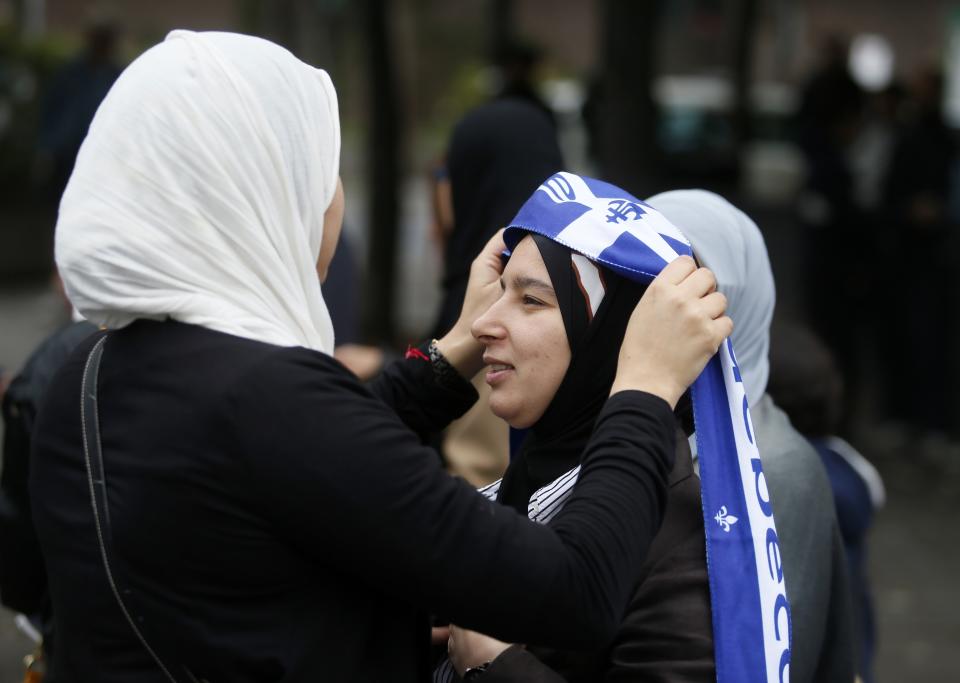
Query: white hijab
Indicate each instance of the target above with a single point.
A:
(727, 242)
(200, 189)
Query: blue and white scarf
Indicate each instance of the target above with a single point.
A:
(751, 613)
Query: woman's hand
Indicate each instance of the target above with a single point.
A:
(468, 649)
(483, 288)
(677, 326)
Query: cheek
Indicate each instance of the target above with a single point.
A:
(548, 361)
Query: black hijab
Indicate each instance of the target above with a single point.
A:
(556, 442)
(499, 154)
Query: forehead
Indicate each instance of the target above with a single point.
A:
(525, 260)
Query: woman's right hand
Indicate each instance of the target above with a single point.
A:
(483, 289)
(677, 326)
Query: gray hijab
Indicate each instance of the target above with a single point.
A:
(725, 240)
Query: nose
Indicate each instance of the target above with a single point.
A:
(489, 327)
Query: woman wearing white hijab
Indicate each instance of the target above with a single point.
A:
(222, 500)
(725, 240)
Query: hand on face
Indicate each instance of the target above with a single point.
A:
(677, 326)
(526, 350)
(459, 346)
(469, 649)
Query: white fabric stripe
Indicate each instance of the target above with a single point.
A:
(490, 491)
(444, 673)
(755, 490)
(589, 278)
(548, 500)
(558, 488)
(560, 481)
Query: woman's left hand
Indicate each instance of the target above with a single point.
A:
(468, 649)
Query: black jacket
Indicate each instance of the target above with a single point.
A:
(274, 520)
(666, 635)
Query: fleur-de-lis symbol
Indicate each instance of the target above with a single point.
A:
(621, 210)
(724, 520)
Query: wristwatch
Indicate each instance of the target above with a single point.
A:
(475, 672)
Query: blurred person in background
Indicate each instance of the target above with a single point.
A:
(231, 503)
(23, 578)
(516, 66)
(871, 153)
(917, 197)
(838, 267)
(806, 384)
(499, 153)
(75, 92)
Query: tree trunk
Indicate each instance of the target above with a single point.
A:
(627, 116)
(383, 169)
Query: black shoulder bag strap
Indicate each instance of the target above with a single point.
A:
(96, 478)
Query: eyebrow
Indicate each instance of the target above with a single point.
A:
(526, 282)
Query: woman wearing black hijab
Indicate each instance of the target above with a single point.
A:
(499, 154)
(666, 634)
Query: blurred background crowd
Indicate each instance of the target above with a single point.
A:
(833, 123)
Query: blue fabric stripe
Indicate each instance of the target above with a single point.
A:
(731, 564)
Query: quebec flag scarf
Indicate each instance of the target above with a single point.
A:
(751, 613)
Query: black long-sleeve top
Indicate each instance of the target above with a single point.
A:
(275, 520)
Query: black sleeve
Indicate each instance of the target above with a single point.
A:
(346, 482)
(516, 665)
(412, 390)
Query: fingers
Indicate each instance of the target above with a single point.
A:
(699, 283)
(723, 327)
(495, 245)
(440, 635)
(677, 270)
(714, 304)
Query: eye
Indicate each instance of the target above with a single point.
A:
(531, 301)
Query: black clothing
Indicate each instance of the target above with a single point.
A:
(23, 582)
(925, 247)
(275, 521)
(499, 154)
(666, 635)
(23, 579)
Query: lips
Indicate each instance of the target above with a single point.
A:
(498, 371)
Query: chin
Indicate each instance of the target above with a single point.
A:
(508, 414)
